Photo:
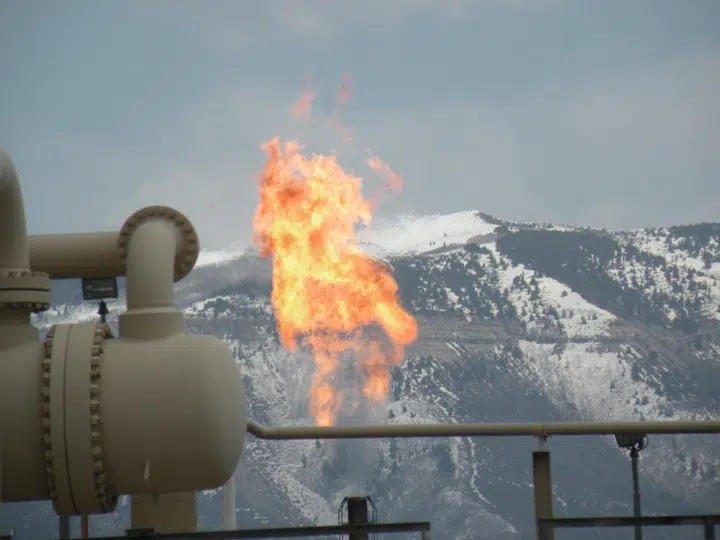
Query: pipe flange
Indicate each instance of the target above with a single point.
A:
(106, 501)
(55, 406)
(45, 408)
(187, 256)
(25, 290)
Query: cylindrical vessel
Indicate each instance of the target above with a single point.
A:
(173, 414)
(22, 474)
(85, 417)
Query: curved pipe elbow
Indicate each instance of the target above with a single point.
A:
(104, 254)
(159, 246)
(14, 254)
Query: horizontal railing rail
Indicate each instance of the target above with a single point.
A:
(286, 532)
(708, 523)
(623, 521)
(540, 429)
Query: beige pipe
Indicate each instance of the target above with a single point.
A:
(482, 430)
(150, 265)
(172, 414)
(13, 232)
(83, 255)
(103, 254)
(21, 469)
(228, 504)
(152, 250)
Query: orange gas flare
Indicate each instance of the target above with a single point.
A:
(345, 91)
(326, 291)
(393, 182)
(302, 109)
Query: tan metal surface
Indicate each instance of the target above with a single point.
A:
(21, 291)
(150, 265)
(103, 254)
(166, 513)
(228, 503)
(22, 469)
(186, 242)
(81, 255)
(13, 232)
(172, 414)
(481, 430)
(72, 419)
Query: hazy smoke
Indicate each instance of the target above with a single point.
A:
(351, 463)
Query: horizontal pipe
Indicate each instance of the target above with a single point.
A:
(284, 532)
(625, 521)
(81, 255)
(481, 430)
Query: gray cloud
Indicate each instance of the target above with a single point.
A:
(238, 25)
(632, 150)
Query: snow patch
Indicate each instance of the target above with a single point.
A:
(416, 234)
(217, 257)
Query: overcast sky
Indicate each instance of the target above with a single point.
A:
(588, 112)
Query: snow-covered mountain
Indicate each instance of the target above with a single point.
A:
(518, 322)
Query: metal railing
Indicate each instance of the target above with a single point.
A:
(545, 521)
(707, 522)
(539, 429)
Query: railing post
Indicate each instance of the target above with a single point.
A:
(637, 511)
(358, 515)
(63, 527)
(542, 483)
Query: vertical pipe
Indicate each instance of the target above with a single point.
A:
(151, 265)
(151, 311)
(84, 526)
(637, 512)
(227, 495)
(14, 252)
(357, 515)
(164, 513)
(63, 527)
(542, 482)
